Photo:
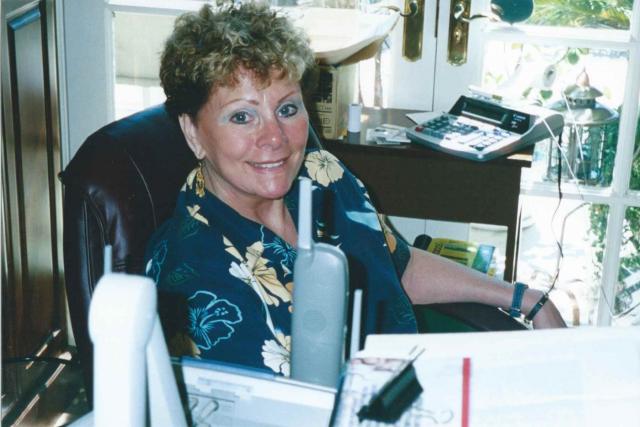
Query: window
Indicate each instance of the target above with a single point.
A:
(139, 39)
(634, 183)
(589, 49)
(627, 293)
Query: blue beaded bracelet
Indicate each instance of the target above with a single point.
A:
(516, 303)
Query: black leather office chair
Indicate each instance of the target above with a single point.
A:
(119, 187)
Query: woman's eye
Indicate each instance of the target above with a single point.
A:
(241, 117)
(288, 110)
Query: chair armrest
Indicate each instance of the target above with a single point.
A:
(467, 317)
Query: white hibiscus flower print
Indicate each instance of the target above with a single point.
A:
(323, 167)
(194, 212)
(277, 353)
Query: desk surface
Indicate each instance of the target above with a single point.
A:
(413, 181)
(42, 393)
(372, 117)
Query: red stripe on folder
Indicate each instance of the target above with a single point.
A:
(466, 388)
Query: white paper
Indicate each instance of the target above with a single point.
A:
(222, 396)
(439, 405)
(563, 377)
(423, 116)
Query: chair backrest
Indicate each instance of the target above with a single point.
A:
(119, 187)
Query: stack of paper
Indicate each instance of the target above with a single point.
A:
(563, 377)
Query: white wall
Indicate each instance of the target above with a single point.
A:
(85, 70)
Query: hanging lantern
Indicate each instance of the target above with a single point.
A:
(589, 135)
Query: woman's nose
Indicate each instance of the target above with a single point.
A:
(273, 134)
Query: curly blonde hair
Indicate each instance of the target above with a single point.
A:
(207, 47)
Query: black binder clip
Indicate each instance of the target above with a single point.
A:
(395, 396)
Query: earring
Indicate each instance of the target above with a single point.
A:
(199, 179)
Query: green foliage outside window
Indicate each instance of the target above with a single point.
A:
(613, 14)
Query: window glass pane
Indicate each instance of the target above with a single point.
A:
(556, 77)
(613, 14)
(139, 39)
(635, 168)
(626, 309)
(579, 229)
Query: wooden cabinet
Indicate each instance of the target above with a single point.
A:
(33, 299)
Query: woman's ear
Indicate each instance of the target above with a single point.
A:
(191, 135)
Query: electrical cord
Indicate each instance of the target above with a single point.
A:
(562, 156)
(23, 359)
(557, 144)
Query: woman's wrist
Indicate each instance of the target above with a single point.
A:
(530, 299)
(537, 307)
(518, 310)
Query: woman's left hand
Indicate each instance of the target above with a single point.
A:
(430, 279)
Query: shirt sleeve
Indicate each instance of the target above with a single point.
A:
(398, 247)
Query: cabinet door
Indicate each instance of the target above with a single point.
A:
(431, 83)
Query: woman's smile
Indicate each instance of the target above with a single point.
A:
(268, 166)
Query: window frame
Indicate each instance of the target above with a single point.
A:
(618, 196)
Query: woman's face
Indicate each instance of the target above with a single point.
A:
(252, 137)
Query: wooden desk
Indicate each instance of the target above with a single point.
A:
(414, 181)
(42, 393)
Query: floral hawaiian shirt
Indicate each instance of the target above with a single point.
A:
(225, 282)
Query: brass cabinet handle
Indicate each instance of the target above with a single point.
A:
(458, 13)
(459, 19)
(413, 29)
(413, 9)
(458, 31)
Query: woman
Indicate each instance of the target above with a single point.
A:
(224, 262)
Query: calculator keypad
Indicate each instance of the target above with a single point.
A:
(456, 129)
